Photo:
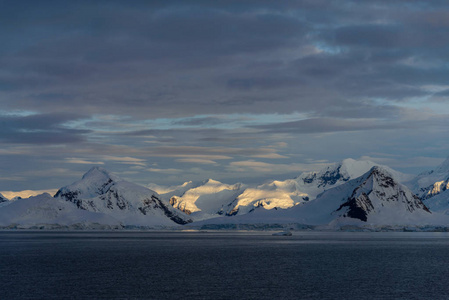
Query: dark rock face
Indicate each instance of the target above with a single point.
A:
(113, 199)
(73, 196)
(156, 203)
(412, 202)
(309, 179)
(358, 208)
(330, 177)
(233, 212)
(3, 199)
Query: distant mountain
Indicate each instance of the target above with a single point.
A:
(275, 194)
(204, 200)
(379, 198)
(314, 183)
(44, 211)
(4, 201)
(3, 198)
(212, 198)
(376, 198)
(433, 187)
(431, 183)
(177, 190)
(132, 204)
(351, 192)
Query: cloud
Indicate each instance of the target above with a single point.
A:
(326, 125)
(167, 171)
(126, 160)
(73, 160)
(250, 166)
(216, 82)
(12, 178)
(197, 161)
(40, 129)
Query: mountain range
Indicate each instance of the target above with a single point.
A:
(349, 193)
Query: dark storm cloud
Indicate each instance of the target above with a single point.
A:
(40, 129)
(112, 57)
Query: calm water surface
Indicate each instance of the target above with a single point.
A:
(174, 265)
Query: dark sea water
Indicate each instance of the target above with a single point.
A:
(184, 265)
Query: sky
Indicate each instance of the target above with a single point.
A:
(239, 91)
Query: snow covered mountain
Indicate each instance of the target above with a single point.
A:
(44, 211)
(205, 200)
(275, 194)
(132, 204)
(433, 187)
(212, 198)
(373, 198)
(314, 183)
(176, 190)
(431, 183)
(379, 198)
(306, 187)
(347, 193)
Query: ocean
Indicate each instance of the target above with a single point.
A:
(223, 265)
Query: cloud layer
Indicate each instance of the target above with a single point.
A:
(222, 89)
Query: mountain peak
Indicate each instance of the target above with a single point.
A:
(443, 167)
(99, 172)
(379, 170)
(212, 182)
(337, 173)
(94, 182)
(101, 191)
(378, 190)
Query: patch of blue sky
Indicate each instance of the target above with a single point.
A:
(112, 123)
(17, 113)
(325, 48)
(229, 121)
(421, 103)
